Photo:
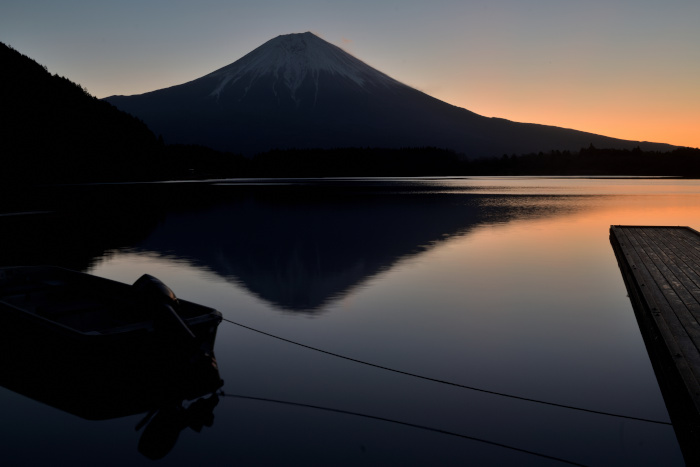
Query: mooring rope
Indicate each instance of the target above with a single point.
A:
(398, 422)
(450, 383)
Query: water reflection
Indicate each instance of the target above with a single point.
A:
(300, 254)
(513, 290)
(296, 247)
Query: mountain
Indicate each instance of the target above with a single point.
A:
(52, 129)
(299, 91)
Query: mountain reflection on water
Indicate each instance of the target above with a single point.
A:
(295, 246)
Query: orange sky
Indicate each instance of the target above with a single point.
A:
(637, 111)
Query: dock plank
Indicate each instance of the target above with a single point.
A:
(669, 267)
(661, 269)
(681, 253)
(667, 309)
(660, 282)
(682, 267)
(688, 240)
(686, 252)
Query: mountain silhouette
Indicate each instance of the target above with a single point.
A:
(299, 91)
(53, 129)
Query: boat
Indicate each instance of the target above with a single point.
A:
(104, 323)
(87, 309)
(100, 349)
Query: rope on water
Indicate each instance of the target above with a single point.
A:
(412, 425)
(449, 383)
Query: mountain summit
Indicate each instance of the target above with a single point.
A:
(292, 60)
(299, 91)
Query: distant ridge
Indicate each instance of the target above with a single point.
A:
(299, 91)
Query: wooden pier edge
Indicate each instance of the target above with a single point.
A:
(672, 372)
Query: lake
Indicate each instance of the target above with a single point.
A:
(502, 286)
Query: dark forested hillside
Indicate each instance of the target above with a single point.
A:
(53, 130)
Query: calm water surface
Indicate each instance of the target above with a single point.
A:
(505, 284)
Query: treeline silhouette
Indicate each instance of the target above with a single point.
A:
(198, 162)
(682, 162)
(54, 131)
(355, 162)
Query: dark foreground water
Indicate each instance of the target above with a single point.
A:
(504, 284)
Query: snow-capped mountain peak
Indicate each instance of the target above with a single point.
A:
(292, 58)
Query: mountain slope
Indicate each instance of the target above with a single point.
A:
(298, 91)
(52, 129)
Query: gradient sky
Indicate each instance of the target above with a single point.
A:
(623, 68)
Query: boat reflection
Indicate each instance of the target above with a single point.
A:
(99, 386)
(163, 425)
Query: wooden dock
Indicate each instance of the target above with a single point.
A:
(661, 269)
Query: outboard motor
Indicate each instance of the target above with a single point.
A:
(152, 288)
(162, 303)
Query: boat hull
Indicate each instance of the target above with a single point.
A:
(54, 350)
